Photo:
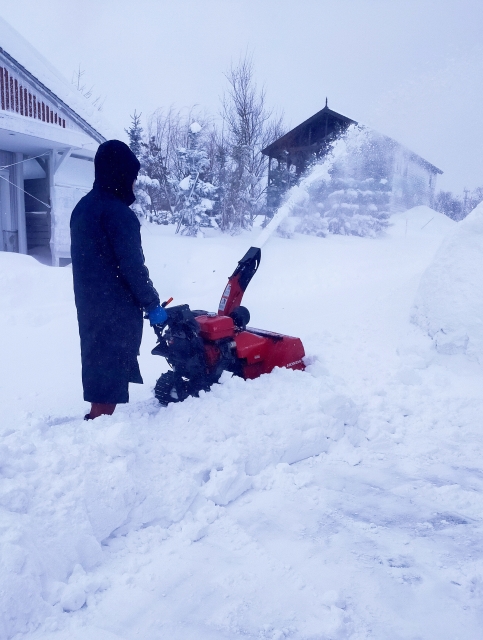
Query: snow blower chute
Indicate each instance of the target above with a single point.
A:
(199, 345)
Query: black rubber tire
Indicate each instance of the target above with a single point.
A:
(171, 388)
(164, 388)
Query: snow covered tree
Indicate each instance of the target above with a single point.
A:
(152, 179)
(222, 166)
(164, 159)
(195, 195)
(449, 204)
(145, 187)
(142, 207)
(218, 172)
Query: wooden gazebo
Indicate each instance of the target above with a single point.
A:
(311, 138)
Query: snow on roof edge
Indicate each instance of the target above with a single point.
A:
(25, 54)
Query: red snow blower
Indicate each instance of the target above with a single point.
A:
(199, 345)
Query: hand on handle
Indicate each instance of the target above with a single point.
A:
(157, 316)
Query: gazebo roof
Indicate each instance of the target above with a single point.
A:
(309, 132)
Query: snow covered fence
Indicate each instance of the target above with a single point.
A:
(68, 485)
(449, 302)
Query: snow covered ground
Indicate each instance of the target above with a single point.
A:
(345, 502)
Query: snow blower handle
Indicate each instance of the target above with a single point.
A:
(239, 281)
(158, 328)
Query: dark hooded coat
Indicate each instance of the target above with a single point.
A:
(111, 282)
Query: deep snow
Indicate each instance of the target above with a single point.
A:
(343, 502)
(449, 304)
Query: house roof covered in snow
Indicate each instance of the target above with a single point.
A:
(23, 55)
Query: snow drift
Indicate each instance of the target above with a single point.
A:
(449, 302)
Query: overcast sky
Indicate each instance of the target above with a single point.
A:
(412, 69)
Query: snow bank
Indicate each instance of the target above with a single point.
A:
(449, 302)
(421, 224)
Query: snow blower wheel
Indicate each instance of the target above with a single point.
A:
(171, 388)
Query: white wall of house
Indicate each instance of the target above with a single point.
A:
(49, 134)
(71, 182)
(12, 212)
(33, 123)
(413, 181)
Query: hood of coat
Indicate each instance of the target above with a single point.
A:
(116, 168)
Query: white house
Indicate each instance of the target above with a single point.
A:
(49, 134)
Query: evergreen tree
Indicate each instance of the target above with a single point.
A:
(135, 133)
(156, 183)
(143, 207)
(195, 195)
(219, 172)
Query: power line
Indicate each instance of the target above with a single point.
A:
(23, 190)
(26, 159)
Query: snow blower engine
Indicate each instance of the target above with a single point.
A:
(199, 345)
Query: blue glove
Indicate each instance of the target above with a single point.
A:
(157, 315)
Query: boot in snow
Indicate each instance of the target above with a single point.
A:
(99, 409)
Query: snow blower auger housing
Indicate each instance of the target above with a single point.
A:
(199, 345)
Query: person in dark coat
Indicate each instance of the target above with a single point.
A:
(111, 282)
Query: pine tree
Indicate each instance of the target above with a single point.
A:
(135, 133)
(195, 195)
(156, 183)
(143, 206)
